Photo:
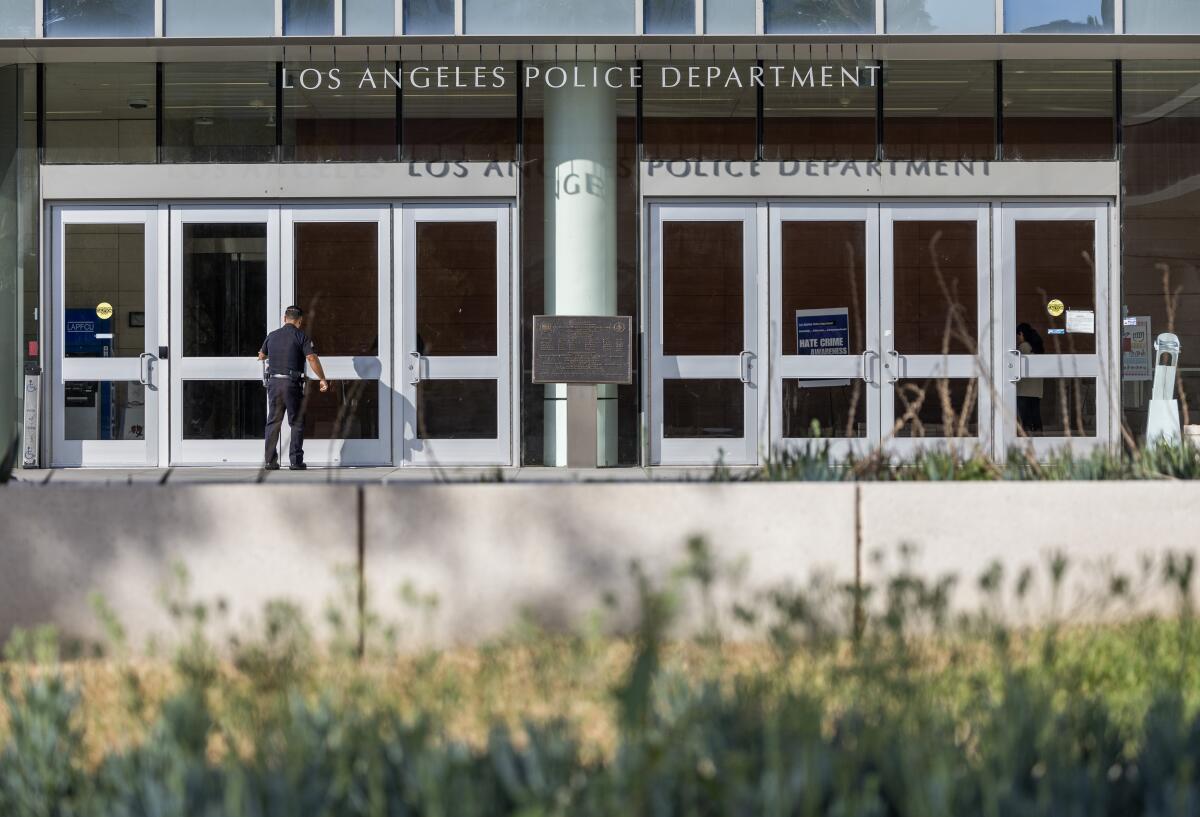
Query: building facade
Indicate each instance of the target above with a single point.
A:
(876, 223)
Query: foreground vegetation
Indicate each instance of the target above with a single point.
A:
(874, 702)
(814, 462)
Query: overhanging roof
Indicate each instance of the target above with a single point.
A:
(565, 49)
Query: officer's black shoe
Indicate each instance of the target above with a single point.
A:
(271, 466)
(298, 466)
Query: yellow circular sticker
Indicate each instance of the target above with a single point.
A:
(1055, 308)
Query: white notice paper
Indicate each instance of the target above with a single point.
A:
(1081, 322)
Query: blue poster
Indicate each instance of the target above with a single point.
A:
(823, 331)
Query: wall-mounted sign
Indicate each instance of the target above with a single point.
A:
(588, 349)
(104, 310)
(823, 332)
(723, 75)
(1055, 308)
(1137, 351)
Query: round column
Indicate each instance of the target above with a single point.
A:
(581, 236)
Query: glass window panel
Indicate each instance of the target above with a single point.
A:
(1160, 158)
(702, 288)
(939, 110)
(99, 18)
(337, 285)
(346, 124)
(1055, 260)
(224, 289)
(1058, 16)
(100, 113)
(369, 16)
(218, 112)
(706, 122)
(936, 408)
(219, 18)
(457, 410)
(729, 16)
(940, 16)
(1162, 17)
(824, 408)
(819, 16)
(824, 267)
(224, 410)
(104, 410)
(524, 17)
(1056, 407)
(443, 123)
(348, 411)
(428, 16)
(16, 18)
(1058, 110)
(712, 409)
(308, 16)
(456, 288)
(669, 17)
(820, 123)
(104, 264)
(936, 278)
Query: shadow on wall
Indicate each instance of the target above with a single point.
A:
(57, 546)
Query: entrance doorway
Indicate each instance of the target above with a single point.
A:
(890, 327)
(107, 378)
(175, 380)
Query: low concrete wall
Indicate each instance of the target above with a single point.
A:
(244, 544)
(490, 552)
(555, 551)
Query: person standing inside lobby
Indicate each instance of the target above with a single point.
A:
(1029, 389)
(286, 351)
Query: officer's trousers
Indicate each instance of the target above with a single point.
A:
(285, 394)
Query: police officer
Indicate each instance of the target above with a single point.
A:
(285, 350)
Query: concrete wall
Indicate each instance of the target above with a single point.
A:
(489, 552)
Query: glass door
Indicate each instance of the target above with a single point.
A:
(225, 297)
(1054, 344)
(935, 327)
(825, 327)
(454, 359)
(336, 265)
(107, 373)
(704, 361)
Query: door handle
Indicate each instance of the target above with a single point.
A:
(144, 360)
(744, 367)
(866, 365)
(897, 359)
(414, 367)
(1016, 359)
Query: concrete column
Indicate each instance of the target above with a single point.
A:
(581, 237)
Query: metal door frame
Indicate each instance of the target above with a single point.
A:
(147, 368)
(747, 366)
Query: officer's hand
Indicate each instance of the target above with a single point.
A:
(324, 385)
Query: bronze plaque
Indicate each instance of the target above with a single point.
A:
(582, 349)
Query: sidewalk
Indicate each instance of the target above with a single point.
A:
(353, 476)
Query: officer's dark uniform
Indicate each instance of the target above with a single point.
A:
(286, 349)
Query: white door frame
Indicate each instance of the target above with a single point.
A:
(411, 367)
(900, 366)
(341, 368)
(746, 366)
(217, 452)
(1011, 367)
(146, 369)
(866, 366)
